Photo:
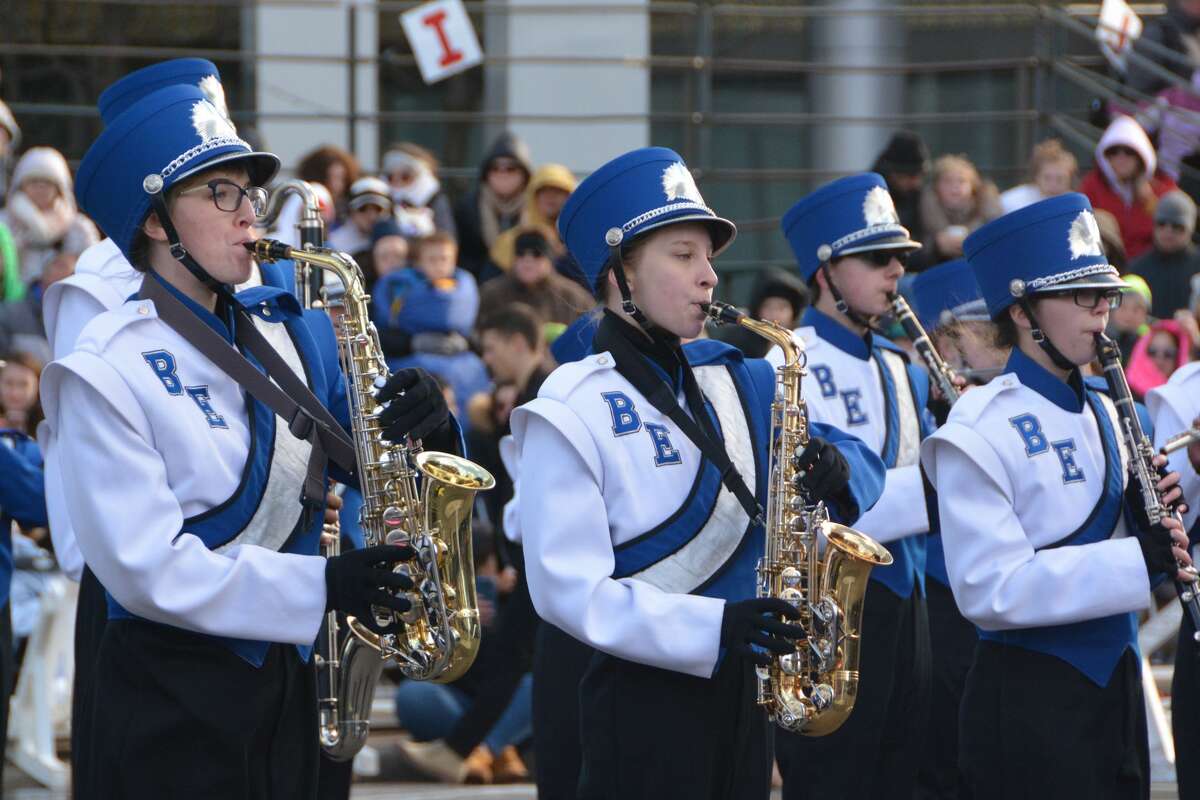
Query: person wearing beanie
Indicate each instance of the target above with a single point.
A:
(1172, 260)
(904, 164)
(1126, 182)
(215, 590)
(1129, 321)
(533, 280)
(496, 203)
(422, 205)
(40, 212)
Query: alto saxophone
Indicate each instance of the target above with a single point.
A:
(812, 689)
(439, 636)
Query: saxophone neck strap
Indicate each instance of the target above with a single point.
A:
(306, 417)
(635, 369)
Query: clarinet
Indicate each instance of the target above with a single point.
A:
(1180, 441)
(942, 373)
(1142, 453)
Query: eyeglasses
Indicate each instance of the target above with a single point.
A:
(1090, 298)
(1154, 352)
(227, 195)
(882, 258)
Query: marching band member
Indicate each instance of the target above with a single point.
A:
(851, 249)
(636, 542)
(1031, 476)
(950, 306)
(1171, 407)
(181, 487)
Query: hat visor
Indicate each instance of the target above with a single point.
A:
(1103, 280)
(371, 200)
(721, 230)
(261, 167)
(887, 243)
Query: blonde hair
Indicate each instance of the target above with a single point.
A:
(1048, 152)
(950, 163)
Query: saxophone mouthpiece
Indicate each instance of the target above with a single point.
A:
(269, 250)
(722, 313)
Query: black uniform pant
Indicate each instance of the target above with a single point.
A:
(91, 616)
(1185, 712)
(180, 715)
(952, 646)
(876, 752)
(559, 662)
(1034, 726)
(514, 634)
(650, 733)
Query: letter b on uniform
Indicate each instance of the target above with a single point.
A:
(625, 419)
(163, 364)
(1030, 429)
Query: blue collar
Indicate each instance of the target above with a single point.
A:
(223, 327)
(837, 334)
(1067, 395)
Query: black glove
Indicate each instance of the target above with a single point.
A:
(357, 580)
(415, 405)
(824, 472)
(746, 624)
(1155, 541)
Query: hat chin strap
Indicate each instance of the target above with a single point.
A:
(1039, 336)
(840, 303)
(614, 238)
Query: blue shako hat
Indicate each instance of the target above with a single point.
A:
(1052, 245)
(638, 192)
(946, 293)
(157, 142)
(850, 215)
(197, 72)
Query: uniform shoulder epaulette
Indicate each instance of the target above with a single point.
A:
(565, 380)
(971, 406)
(99, 333)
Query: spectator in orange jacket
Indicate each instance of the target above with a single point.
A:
(1125, 182)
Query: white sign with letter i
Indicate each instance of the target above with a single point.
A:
(442, 39)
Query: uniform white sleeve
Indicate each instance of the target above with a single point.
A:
(511, 514)
(999, 581)
(900, 510)
(76, 308)
(1167, 423)
(128, 525)
(569, 561)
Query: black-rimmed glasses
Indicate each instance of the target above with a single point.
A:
(1090, 298)
(227, 195)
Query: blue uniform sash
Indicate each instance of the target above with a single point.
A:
(908, 554)
(219, 525)
(734, 579)
(1093, 646)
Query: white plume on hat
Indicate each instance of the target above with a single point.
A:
(1084, 236)
(678, 184)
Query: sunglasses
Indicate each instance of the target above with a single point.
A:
(1154, 352)
(1090, 298)
(1120, 150)
(504, 166)
(882, 258)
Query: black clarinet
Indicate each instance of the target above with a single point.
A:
(1141, 451)
(941, 372)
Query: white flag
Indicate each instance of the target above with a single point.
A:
(1116, 31)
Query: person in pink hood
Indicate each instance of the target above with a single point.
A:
(1164, 349)
(1125, 182)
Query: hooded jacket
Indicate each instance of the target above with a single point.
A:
(1132, 204)
(553, 176)
(480, 217)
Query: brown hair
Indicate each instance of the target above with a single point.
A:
(315, 166)
(517, 319)
(31, 362)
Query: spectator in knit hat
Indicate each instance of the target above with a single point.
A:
(534, 281)
(1131, 320)
(904, 164)
(1173, 259)
(370, 203)
(422, 206)
(389, 248)
(1052, 171)
(496, 203)
(40, 212)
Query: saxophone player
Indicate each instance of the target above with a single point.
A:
(851, 249)
(1047, 550)
(1175, 407)
(642, 475)
(197, 509)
